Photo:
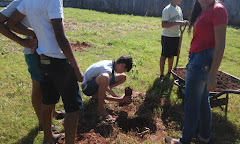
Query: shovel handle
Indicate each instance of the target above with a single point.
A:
(182, 29)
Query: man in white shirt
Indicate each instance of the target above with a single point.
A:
(172, 19)
(59, 68)
(99, 78)
(31, 57)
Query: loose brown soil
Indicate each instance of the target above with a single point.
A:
(224, 80)
(133, 121)
(80, 46)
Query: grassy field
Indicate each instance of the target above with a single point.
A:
(110, 36)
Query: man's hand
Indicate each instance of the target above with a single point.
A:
(186, 23)
(126, 99)
(29, 43)
(183, 23)
(78, 74)
(211, 82)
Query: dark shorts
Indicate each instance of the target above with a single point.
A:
(32, 61)
(58, 78)
(91, 87)
(169, 46)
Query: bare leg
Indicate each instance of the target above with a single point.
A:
(47, 122)
(103, 82)
(70, 125)
(37, 101)
(162, 63)
(170, 63)
(120, 78)
(54, 113)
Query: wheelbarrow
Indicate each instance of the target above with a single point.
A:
(226, 84)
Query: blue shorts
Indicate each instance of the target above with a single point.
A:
(91, 87)
(58, 78)
(32, 61)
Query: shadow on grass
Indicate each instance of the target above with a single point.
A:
(172, 114)
(29, 139)
(223, 130)
(156, 96)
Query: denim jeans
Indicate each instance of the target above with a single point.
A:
(197, 109)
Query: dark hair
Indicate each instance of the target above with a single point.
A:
(127, 60)
(195, 13)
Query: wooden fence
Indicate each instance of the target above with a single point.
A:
(136, 7)
(149, 7)
(143, 7)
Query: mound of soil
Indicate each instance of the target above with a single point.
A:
(224, 80)
(133, 120)
(79, 46)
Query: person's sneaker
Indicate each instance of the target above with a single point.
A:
(171, 140)
(161, 77)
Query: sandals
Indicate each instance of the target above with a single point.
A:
(161, 77)
(54, 128)
(59, 137)
(109, 119)
(61, 115)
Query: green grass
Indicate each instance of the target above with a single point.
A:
(110, 35)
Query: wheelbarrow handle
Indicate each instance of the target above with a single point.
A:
(182, 29)
(176, 82)
(224, 92)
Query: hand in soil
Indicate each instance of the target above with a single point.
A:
(126, 99)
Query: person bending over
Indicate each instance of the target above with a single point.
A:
(99, 78)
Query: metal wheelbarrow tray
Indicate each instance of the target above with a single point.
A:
(226, 84)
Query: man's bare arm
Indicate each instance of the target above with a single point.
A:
(167, 24)
(8, 33)
(65, 46)
(14, 23)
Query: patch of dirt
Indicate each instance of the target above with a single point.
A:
(224, 80)
(90, 138)
(80, 46)
(135, 121)
(71, 25)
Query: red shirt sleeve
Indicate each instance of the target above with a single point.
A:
(219, 15)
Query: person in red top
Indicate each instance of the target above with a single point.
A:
(209, 21)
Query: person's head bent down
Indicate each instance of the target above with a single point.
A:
(123, 64)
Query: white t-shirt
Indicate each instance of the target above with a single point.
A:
(104, 66)
(40, 13)
(8, 11)
(172, 14)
